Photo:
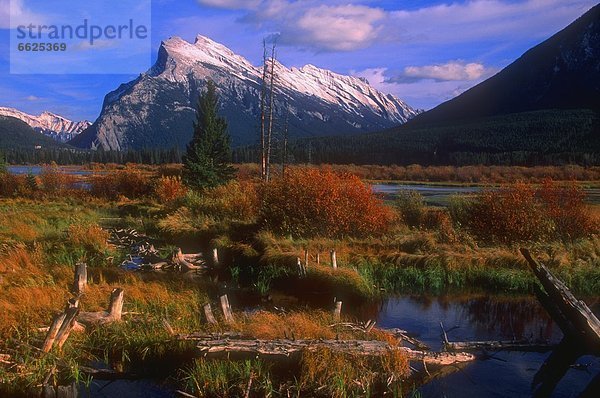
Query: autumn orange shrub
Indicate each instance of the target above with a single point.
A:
(234, 201)
(131, 183)
(509, 214)
(169, 189)
(54, 180)
(12, 185)
(565, 205)
(522, 212)
(313, 202)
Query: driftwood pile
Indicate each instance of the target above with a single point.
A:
(72, 319)
(144, 256)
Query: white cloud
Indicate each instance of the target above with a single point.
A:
(322, 26)
(345, 25)
(32, 98)
(450, 71)
(342, 28)
(418, 93)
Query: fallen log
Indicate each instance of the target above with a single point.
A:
(179, 260)
(403, 335)
(287, 348)
(113, 314)
(573, 316)
(510, 345)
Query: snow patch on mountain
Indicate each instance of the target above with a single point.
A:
(49, 124)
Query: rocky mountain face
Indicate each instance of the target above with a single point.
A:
(49, 124)
(563, 72)
(157, 109)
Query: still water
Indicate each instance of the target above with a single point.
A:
(439, 195)
(477, 318)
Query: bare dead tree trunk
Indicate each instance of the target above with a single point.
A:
(263, 100)
(285, 143)
(271, 106)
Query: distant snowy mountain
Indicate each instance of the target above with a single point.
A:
(157, 109)
(49, 124)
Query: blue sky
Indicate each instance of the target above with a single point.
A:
(423, 51)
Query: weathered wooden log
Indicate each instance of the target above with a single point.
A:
(333, 259)
(80, 283)
(573, 316)
(114, 312)
(509, 345)
(179, 260)
(53, 332)
(286, 348)
(226, 308)
(208, 314)
(337, 311)
(66, 327)
(403, 335)
(69, 391)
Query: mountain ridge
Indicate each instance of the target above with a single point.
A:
(157, 108)
(48, 123)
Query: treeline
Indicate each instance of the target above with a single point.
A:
(64, 156)
(551, 137)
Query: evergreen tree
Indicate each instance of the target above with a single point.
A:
(208, 156)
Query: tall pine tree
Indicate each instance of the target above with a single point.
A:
(208, 156)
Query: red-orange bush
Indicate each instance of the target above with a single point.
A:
(509, 214)
(12, 185)
(319, 202)
(169, 189)
(54, 180)
(131, 183)
(521, 212)
(565, 205)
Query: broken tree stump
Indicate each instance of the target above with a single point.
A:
(337, 311)
(80, 282)
(226, 308)
(333, 259)
(286, 348)
(208, 314)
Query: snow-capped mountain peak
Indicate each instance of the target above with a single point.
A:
(48, 123)
(160, 103)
